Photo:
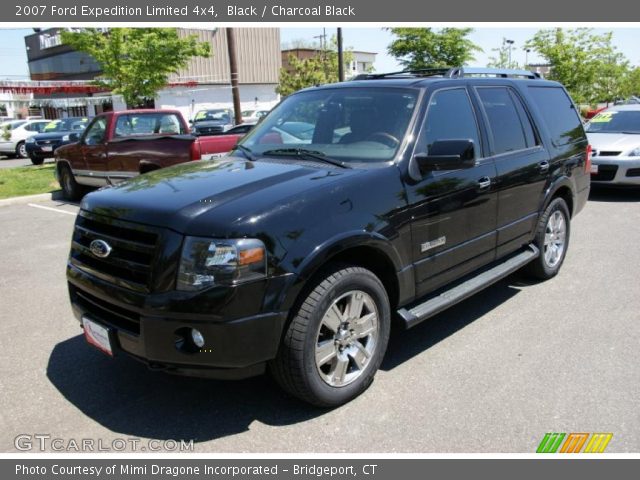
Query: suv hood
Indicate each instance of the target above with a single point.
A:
(622, 142)
(213, 198)
(50, 136)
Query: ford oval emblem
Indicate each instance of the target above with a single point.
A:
(100, 248)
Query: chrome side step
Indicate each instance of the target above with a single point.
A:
(473, 285)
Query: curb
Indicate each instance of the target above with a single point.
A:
(41, 197)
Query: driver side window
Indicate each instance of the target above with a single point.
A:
(95, 133)
(450, 117)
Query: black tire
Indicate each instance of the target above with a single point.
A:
(295, 367)
(36, 160)
(70, 188)
(21, 150)
(541, 268)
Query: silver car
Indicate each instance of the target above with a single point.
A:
(614, 136)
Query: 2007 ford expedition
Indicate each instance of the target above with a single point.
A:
(393, 196)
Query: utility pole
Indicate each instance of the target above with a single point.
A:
(340, 57)
(233, 70)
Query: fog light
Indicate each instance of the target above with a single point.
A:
(197, 337)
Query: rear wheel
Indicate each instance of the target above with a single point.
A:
(552, 238)
(70, 188)
(21, 150)
(337, 339)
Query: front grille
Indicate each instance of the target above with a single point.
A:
(633, 172)
(131, 258)
(606, 173)
(209, 130)
(105, 312)
(608, 154)
(47, 143)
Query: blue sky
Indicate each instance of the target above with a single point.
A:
(13, 61)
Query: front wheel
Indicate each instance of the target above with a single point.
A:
(552, 238)
(70, 188)
(335, 343)
(37, 160)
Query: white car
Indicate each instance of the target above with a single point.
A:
(14, 134)
(252, 116)
(614, 136)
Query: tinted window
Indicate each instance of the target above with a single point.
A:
(148, 124)
(615, 121)
(558, 113)
(451, 117)
(507, 128)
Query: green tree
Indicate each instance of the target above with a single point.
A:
(418, 48)
(501, 59)
(320, 69)
(136, 62)
(587, 64)
(632, 82)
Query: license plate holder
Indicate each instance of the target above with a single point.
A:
(98, 335)
(47, 149)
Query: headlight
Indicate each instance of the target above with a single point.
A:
(30, 140)
(65, 138)
(207, 262)
(634, 153)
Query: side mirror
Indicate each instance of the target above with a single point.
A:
(447, 155)
(74, 137)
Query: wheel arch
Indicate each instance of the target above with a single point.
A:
(560, 188)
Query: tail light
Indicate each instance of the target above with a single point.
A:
(587, 162)
(196, 154)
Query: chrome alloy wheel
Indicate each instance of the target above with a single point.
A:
(347, 338)
(555, 238)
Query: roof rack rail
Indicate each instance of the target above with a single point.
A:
(460, 72)
(421, 72)
(449, 72)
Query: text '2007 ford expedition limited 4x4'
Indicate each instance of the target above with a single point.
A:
(391, 196)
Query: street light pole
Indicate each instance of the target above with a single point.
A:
(340, 57)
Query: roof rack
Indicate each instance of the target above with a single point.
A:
(449, 72)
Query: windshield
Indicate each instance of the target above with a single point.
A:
(65, 125)
(347, 124)
(615, 121)
(213, 115)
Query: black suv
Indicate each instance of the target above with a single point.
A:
(389, 197)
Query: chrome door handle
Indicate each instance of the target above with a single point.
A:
(544, 166)
(484, 182)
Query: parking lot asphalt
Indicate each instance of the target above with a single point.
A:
(19, 162)
(492, 374)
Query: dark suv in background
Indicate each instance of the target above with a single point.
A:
(55, 134)
(407, 193)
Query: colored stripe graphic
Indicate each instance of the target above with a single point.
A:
(598, 442)
(574, 443)
(550, 443)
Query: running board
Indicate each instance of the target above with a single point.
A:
(464, 290)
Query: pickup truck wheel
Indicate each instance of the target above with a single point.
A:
(552, 238)
(21, 150)
(70, 188)
(335, 343)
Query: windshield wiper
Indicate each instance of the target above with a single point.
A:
(304, 153)
(247, 152)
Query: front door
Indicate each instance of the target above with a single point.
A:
(453, 212)
(94, 150)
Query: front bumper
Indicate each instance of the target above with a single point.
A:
(617, 170)
(33, 149)
(152, 328)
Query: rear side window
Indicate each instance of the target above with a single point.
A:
(510, 126)
(558, 113)
(148, 124)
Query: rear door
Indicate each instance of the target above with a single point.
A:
(522, 164)
(453, 212)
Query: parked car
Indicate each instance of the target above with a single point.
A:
(241, 129)
(294, 253)
(14, 135)
(253, 115)
(212, 122)
(55, 134)
(120, 145)
(614, 135)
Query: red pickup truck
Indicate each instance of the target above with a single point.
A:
(119, 145)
